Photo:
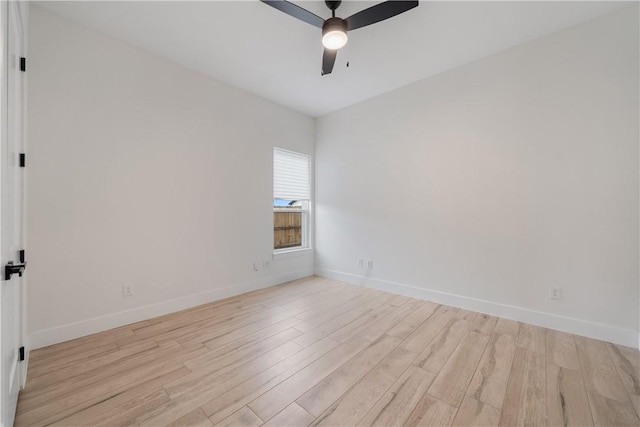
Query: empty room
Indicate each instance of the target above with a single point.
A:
(320, 213)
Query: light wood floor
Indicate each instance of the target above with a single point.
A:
(317, 351)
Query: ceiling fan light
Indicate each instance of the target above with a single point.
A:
(334, 39)
(334, 33)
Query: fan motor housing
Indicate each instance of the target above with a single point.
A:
(334, 24)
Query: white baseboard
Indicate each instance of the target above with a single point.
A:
(102, 323)
(626, 337)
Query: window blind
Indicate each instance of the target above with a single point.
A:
(291, 175)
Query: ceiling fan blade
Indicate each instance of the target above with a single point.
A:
(328, 59)
(296, 11)
(378, 13)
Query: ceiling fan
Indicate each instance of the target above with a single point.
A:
(334, 29)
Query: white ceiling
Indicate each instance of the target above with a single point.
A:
(254, 47)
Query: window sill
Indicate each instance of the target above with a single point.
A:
(289, 253)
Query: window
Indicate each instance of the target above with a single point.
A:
(291, 200)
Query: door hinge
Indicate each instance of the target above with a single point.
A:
(21, 256)
(21, 354)
(23, 160)
(23, 64)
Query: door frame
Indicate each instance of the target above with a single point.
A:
(18, 12)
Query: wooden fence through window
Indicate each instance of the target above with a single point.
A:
(287, 229)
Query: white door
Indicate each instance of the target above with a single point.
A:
(11, 212)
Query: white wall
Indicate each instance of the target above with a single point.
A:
(142, 172)
(483, 186)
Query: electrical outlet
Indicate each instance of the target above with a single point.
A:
(555, 293)
(127, 290)
(370, 264)
(361, 263)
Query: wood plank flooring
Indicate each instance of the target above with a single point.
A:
(321, 352)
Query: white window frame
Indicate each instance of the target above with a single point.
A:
(306, 244)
